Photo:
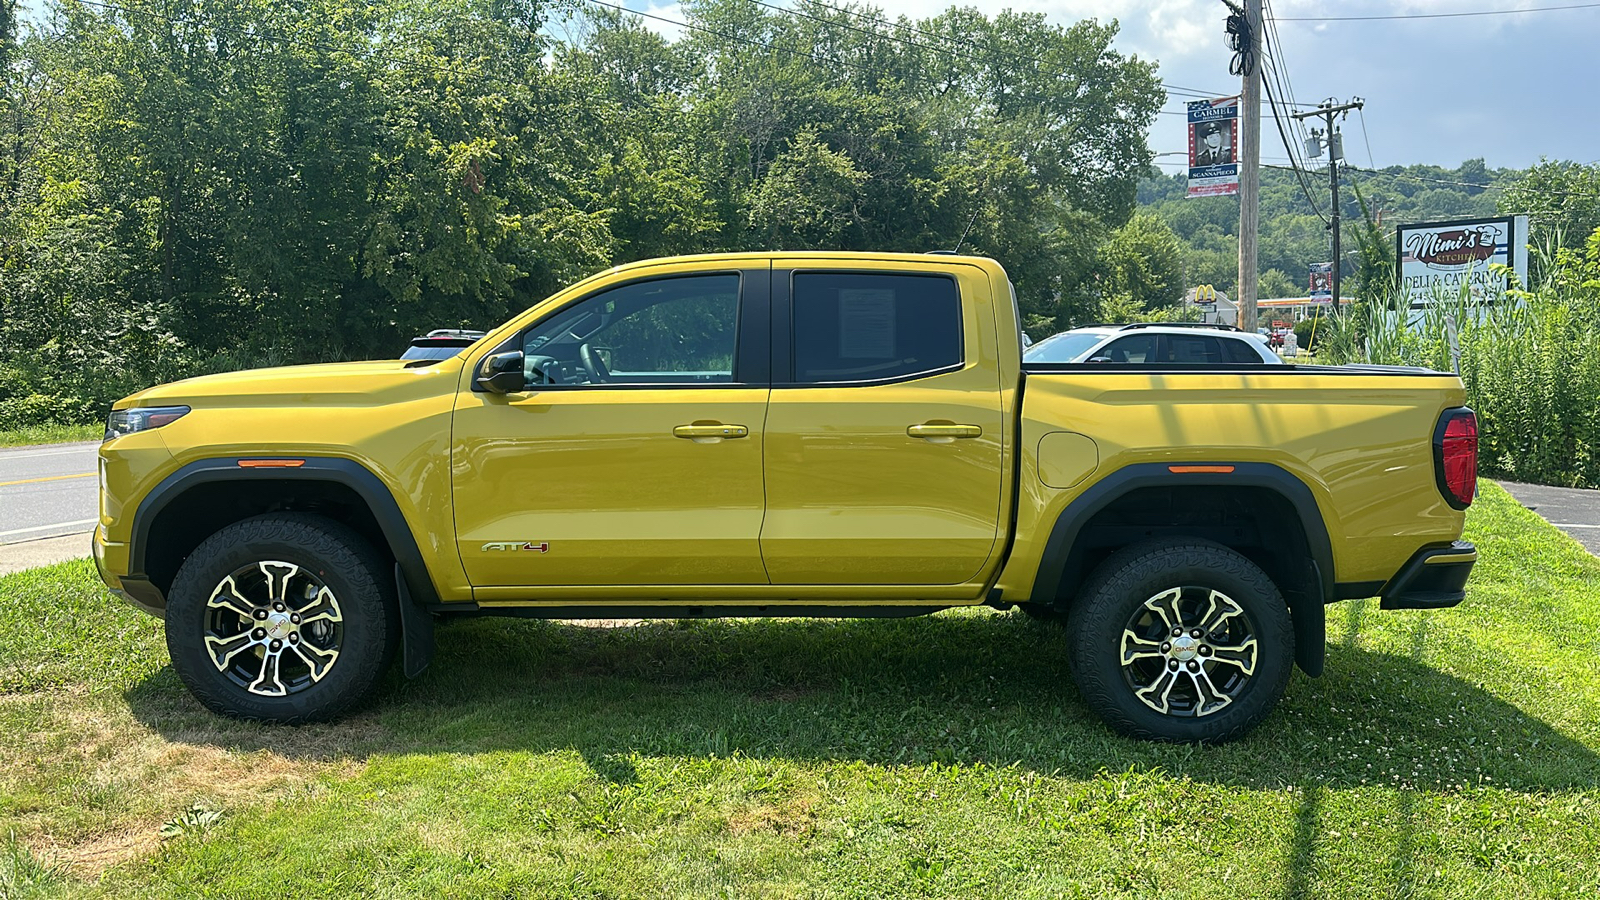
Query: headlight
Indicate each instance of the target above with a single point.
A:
(142, 418)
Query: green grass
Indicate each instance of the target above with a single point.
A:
(50, 434)
(1445, 754)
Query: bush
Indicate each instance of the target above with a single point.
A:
(45, 409)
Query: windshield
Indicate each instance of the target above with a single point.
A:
(1064, 347)
(433, 351)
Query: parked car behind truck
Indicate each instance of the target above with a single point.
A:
(1142, 342)
(814, 434)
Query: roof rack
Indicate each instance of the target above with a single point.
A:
(1217, 325)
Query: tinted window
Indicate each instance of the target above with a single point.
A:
(860, 327)
(1193, 348)
(1136, 349)
(667, 331)
(1237, 351)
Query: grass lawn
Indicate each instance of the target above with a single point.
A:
(1447, 754)
(50, 434)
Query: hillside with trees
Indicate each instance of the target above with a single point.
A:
(1294, 232)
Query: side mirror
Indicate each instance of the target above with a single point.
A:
(501, 373)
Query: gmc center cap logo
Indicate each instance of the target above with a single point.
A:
(539, 546)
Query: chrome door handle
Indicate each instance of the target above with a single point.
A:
(943, 432)
(710, 432)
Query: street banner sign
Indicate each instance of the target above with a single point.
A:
(1321, 283)
(1214, 147)
(1440, 259)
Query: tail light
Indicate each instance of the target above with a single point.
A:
(1455, 456)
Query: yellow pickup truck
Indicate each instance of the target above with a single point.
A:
(784, 434)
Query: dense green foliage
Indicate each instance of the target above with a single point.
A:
(190, 187)
(1562, 200)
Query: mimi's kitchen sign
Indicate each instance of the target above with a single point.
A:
(1439, 259)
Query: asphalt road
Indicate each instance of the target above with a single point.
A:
(48, 491)
(1573, 510)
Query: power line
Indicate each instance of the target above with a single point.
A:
(1272, 54)
(1010, 56)
(275, 39)
(1449, 15)
(1545, 192)
(869, 32)
(1288, 85)
(1362, 113)
(888, 23)
(1298, 174)
(733, 37)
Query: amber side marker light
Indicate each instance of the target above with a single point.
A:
(1184, 470)
(271, 463)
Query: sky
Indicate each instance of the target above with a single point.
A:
(1508, 88)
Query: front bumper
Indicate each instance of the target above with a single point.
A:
(137, 590)
(1434, 578)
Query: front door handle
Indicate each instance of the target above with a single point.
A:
(943, 432)
(710, 432)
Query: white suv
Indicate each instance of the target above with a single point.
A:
(1149, 343)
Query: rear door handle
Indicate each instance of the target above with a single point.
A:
(710, 432)
(943, 432)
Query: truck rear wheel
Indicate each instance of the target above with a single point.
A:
(282, 618)
(1181, 640)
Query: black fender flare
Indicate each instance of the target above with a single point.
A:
(1057, 566)
(413, 584)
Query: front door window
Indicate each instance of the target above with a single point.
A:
(668, 331)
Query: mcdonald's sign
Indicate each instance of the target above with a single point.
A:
(1205, 294)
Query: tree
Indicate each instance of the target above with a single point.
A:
(1276, 284)
(210, 186)
(809, 198)
(1144, 263)
(1561, 199)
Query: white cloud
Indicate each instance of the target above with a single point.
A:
(672, 11)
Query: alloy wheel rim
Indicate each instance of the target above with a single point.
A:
(273, 628)
(1188, 651)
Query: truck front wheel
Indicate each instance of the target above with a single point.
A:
(282, 618)
(1181, 640)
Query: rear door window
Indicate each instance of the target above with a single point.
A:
(1140, 348)
(1237, 351)
(863, 327)
(1193, 348)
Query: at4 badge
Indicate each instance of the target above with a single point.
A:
(537, 546)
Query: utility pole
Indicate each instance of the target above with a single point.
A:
(1326, 110)
(1249, 165)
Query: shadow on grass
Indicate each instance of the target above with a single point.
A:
(962, 689)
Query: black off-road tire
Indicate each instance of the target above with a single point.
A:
(326, 552)
(1117, 593)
